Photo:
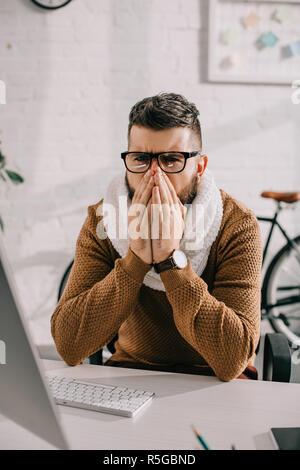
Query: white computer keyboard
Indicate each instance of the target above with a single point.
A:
(121, 401)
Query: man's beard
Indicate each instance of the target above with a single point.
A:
(186, 196)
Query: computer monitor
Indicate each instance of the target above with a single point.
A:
(24, 394)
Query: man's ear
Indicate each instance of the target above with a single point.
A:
(201, 165)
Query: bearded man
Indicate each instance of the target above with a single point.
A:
(181, 289)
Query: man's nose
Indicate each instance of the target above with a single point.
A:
(154, 165)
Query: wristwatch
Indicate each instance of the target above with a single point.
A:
(176, 260)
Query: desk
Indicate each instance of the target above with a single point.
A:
(239, 412)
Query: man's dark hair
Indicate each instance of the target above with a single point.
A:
(164, 111)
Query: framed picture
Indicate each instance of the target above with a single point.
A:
(254, 41)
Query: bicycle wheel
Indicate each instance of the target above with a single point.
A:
(281, 292)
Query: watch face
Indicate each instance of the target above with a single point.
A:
(180, 258)
(51, 4)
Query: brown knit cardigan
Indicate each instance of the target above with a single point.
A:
(209, 322)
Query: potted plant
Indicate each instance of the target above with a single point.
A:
(7, 175)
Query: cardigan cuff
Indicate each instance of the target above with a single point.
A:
(173, 278)
(134, 266)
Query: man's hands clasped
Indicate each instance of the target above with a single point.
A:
(139, 219)
(155, 218)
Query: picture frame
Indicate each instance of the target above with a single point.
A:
(265, 65)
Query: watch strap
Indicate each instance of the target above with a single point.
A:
(168, 263)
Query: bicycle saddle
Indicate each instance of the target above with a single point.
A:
(284, 197)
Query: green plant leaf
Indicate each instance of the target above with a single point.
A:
(2, 176)
(1, 224)
(2, 160)
(14, 177)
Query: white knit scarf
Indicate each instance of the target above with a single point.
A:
(202, 222)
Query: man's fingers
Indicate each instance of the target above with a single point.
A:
(140, 199)
(156, 199)
(171, 189)
(143, 191)
(175, 199)
(148, 211)
(167, 204)
(162, 188)
(182, 208)
(145, 225)
(157, 214)
(146, 194)
(176, 203)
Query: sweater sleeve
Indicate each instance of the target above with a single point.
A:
(224, 325)
(99, 296)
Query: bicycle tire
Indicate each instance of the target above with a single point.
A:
(278, 324)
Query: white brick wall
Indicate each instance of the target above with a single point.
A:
(72, 76)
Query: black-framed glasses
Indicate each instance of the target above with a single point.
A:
(169, 162)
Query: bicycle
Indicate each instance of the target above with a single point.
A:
(273, 306)
(280, 302)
